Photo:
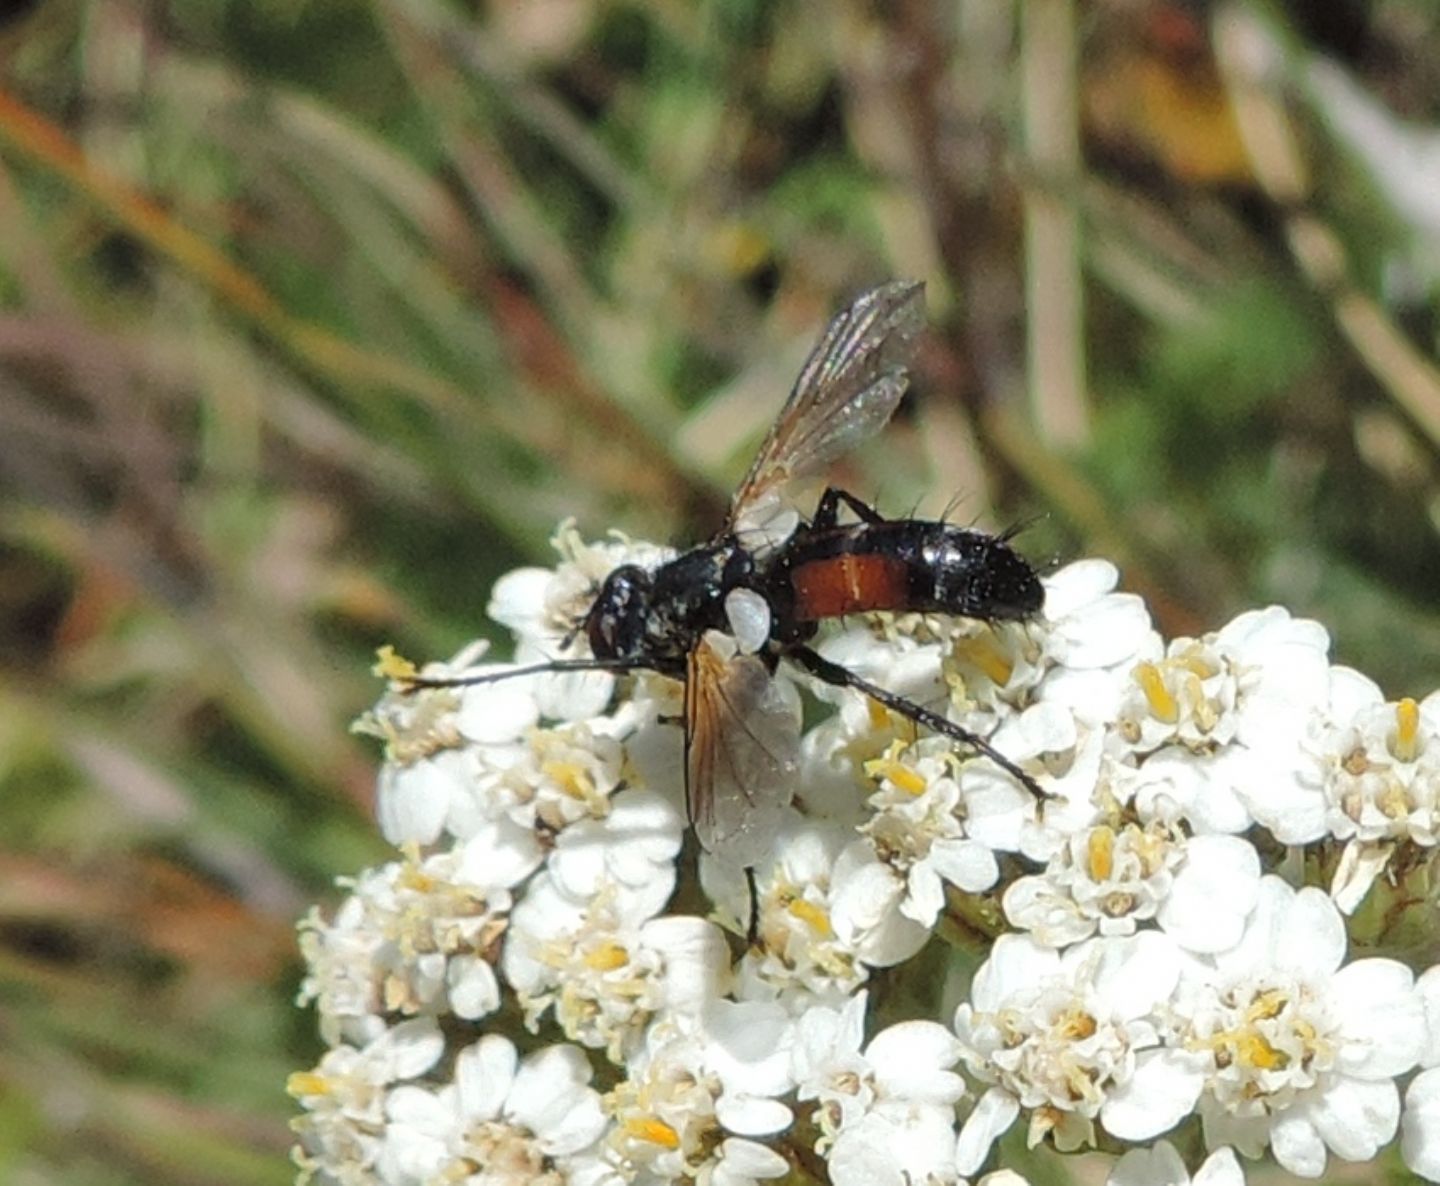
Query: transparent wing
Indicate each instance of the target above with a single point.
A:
(847, 390)
(741, 747)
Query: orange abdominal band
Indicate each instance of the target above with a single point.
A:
(850, 584)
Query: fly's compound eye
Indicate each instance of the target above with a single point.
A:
(615, 625)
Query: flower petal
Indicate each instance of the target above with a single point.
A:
(1420, 1126)
(1311, 939)
(1356, 1118)
(1296, 1145)
(967, 864)
(1221, 1168)
(994, 1113)
(1160, 1094)
(747, 1160)
(1159, 1165)
(1213, 894)
(1382, 1018)
(483, 1075)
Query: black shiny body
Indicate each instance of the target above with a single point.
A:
(825, 569)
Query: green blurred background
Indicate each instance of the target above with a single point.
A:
(320, 314)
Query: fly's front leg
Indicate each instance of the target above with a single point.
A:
(828, 512)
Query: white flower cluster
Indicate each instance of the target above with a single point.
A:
(532, 993)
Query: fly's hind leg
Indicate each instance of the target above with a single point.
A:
(842, 677)
(828, 512)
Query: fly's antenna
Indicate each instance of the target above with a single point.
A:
(417, 682)
(404, 674)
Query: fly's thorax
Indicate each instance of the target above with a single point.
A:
(689, 594)
(657, 616)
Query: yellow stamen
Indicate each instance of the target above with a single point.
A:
(1393, 802)
(1163, 706)
(1197, 664)
(1267, 1005)
(1253, 1050)
(1100, 852)
(303, 1083)
(906, 779)
(811, 915)
(607, 957)
(1407, 730)
(903, 777)
(879, 715)
(656, 1132)
(392, 666)
(571, 777)
(1150, 847)
(1076, 1024)
(984, 652)
(411, 875)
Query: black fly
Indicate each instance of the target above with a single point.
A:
(740, 734)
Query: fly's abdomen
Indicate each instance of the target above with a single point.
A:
(906, 565)
(981, 576)
(849, 583)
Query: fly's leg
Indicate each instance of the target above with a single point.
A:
(752, 929)
(842, 677)
(828, 512)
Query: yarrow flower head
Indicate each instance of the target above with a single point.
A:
(507, 1120)
(1087, 927)
(1132, 865)
(1073, 1040)
(415, 937)
(824, 914)
(927, 828)
(1372, 780)
(885, 1112)
(1295, 1048)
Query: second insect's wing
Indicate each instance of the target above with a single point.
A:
(847, 390)
(742, 734)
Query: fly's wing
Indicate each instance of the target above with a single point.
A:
(741, 749)
(849, 387)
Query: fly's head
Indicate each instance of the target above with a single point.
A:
(615, 625)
